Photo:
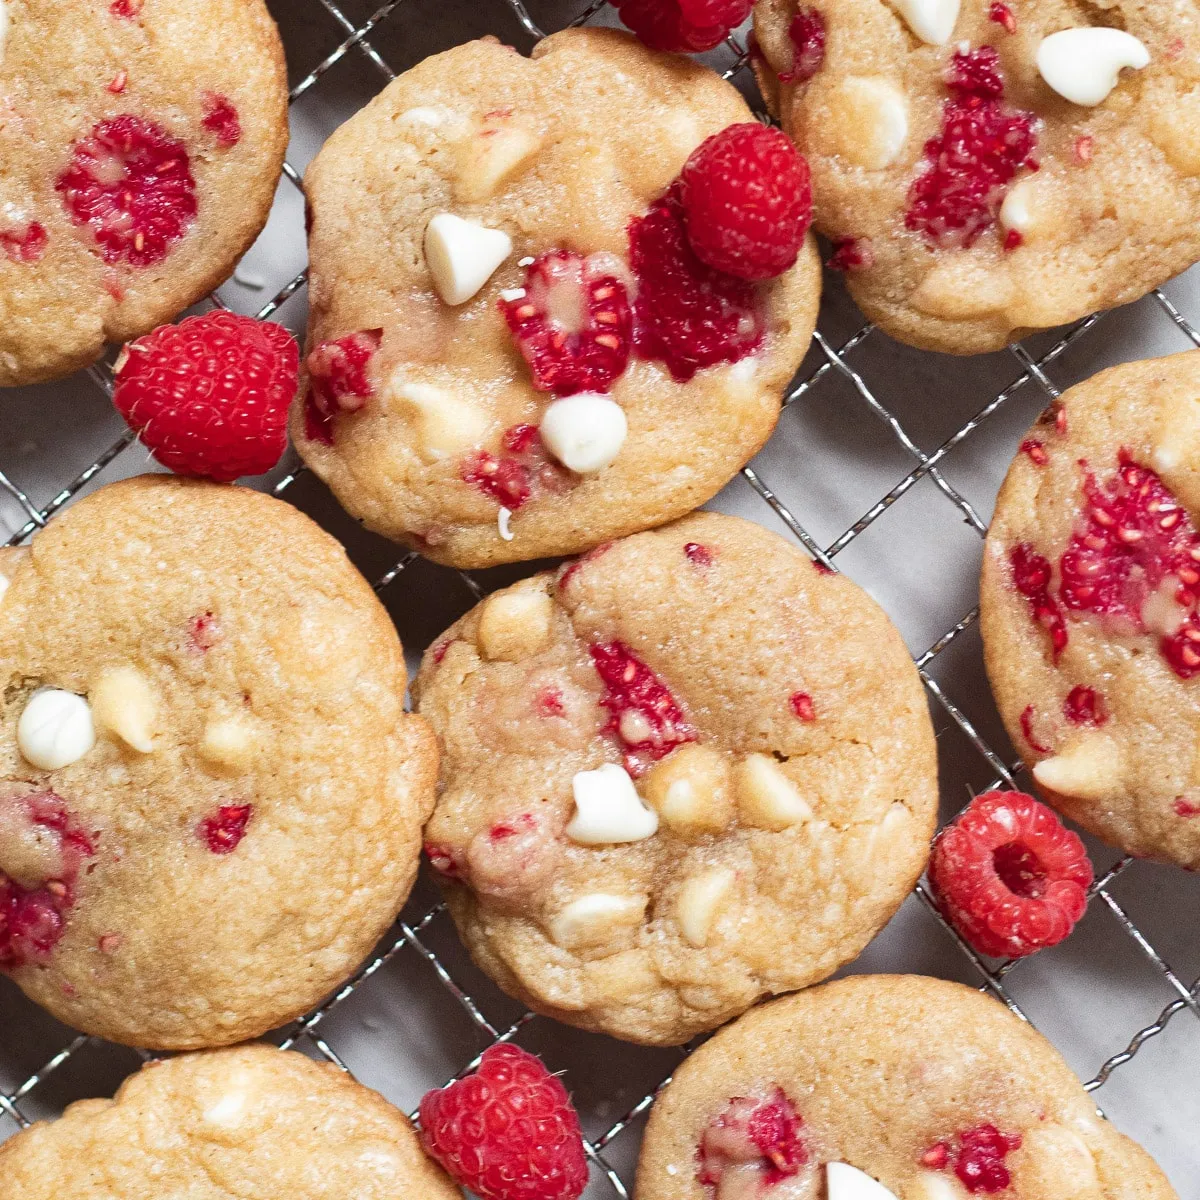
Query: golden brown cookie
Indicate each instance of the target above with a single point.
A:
(687, 771)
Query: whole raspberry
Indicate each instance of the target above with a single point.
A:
(747, 201)
(210, 395)
(686, 26)
(1008, 876)
(508, 1132)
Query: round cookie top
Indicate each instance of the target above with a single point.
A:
(1090, 605)
(210, 794)
(226, 1123)
(930, 1088)
(689, 770)
(969, 199)
(514, 353)
(140, 145)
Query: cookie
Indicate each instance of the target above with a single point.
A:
(210, 794)
(1090, 606)
(252, 1122)
(687, 771)
(928, 1088)
(988, 169)
(140, 145)
(513, 351)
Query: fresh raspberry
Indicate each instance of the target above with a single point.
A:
(210, 395)
(224, 830)
(764, 1133)
(508, 1132)
(1031, 577)
(685, 26)
(1008, 876)
(505, 480)
(221, 120)
(27, 246)
(970, 163)
(687, 315)
(131, 183)
(807, 35)
(1083, 706)
(573, 324)
(851, 254)
(747, 201)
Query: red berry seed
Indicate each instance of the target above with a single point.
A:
(763, 1135)
(27, 246)
(223, 831)
(807, 35)
(684, 26)
(1008, 876)
(221, 120)
(801, 703)
(1083, 706)
(1031, 577)
(507, 1132)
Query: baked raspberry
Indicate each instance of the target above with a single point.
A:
(698, 555)
(851, 254)
(224, 830)
(685, 26)
(1003, 15)
(1008, 875)
(972, 160)
(642, 711)
(1083, 706)
(210, 395)
(126, 9)
(549, 703)
(444, 860)
(1031, 577)
(505, 480)
(518, 439)
(801, 704)
(221, 120)
(686, 314)
(1027, 715)
(747, 201)
(516, 856)
(1036, 451)
(979, 1161)
(759, 1137)
(572, 568)
(507, 1132)
(573, 325)
(204, 632)
(807, 35)
(338, 372)
(131, 183)
(28, 245)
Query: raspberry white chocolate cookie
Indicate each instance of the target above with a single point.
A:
(1090, 605)
(140, 146)
(210, 794)
(885, 1087)
(252, 1122)
(531, 329)
(689, 770)
(988, 168)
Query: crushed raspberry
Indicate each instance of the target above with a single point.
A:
(126, 9)
(807, 35)
(1031, 577)
(204, 632)
(520, 438)
(338, 380)
(503, 479)
(974, 157)
(27, 246)
(439, 651)
(221, 120)
(225, 830)
(1060, 420)
(1036, 451)
(1003, 15)
(507, 1132)
(801, 703)
(684, 26)
(1008, 875)
(444, 860)
(131, 183)
(318, 426)
(851, 254)
(762, 1134)
(515, 856)
(118, 82)
(686, 314)
(698, 555)
(1027, 716)
(549, 703)
(936, 1157)
(1083, 706)
(1013, 238)
(980, 1160)
(1184, 808)
(573, 325)
(747, 201)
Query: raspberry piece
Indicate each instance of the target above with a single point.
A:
(1008, 876)
(807, 35)
(642, 711)
(801, 703)
(444, 860)
(519, 439)
(698, 555)
(851, 254)
(131, 183)
(760, 1133)
(686, 314)
(1003, 15)
(338, 376)
(685, 26)
(221, 120)
(1083, 706)
(126, 9)
(974, 157)
(573, 325)
(747, 201)
(224, 830)
(210, 395)
(1036, 451)
(204, 632)
(1027, 715)
(1184, 808)
(508, 1132)
(27, 246)
(979, 1163)
(549, 703)
(503, 479)
(516, 856)
(1031, 577)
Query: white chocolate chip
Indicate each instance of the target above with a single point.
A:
(767, 798)
(608, 809)
(432, 118)
(690, 791)
(593, 919)
(514, 624)
(491, 157)
(463, 255)
(1083, 64)
(228, 742)
(932, 21)
(584, 432)
(503, 516)
(1055, 1161)
(1016, 212)
(932, 1185)
(123, 703)
(699, 900)
(446, 425)
(1090, 770)
(55, 729)
(844, 1182)
(867, 121)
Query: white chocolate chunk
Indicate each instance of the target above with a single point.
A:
(1016, 212)
(844, 1182)
(767, 798)
(1082, 64)
(123, 703)
(1091, 769)
(868, 119)
(933, 1185)
(700, 898)
(446, 425)
(55, 729)
(593, 919)
(514, 624)
(503, 516)
(584, 432)
(229, 742)
(690, 791)
(1177, 438)
(608, 809)
(432, 118)
(931, 20)
(491, 157)
(227, 1113)
(1055, 1161)
(463, 255)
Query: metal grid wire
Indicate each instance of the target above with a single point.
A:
(407, 935)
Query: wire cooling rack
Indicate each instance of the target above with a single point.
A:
(885, 465)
